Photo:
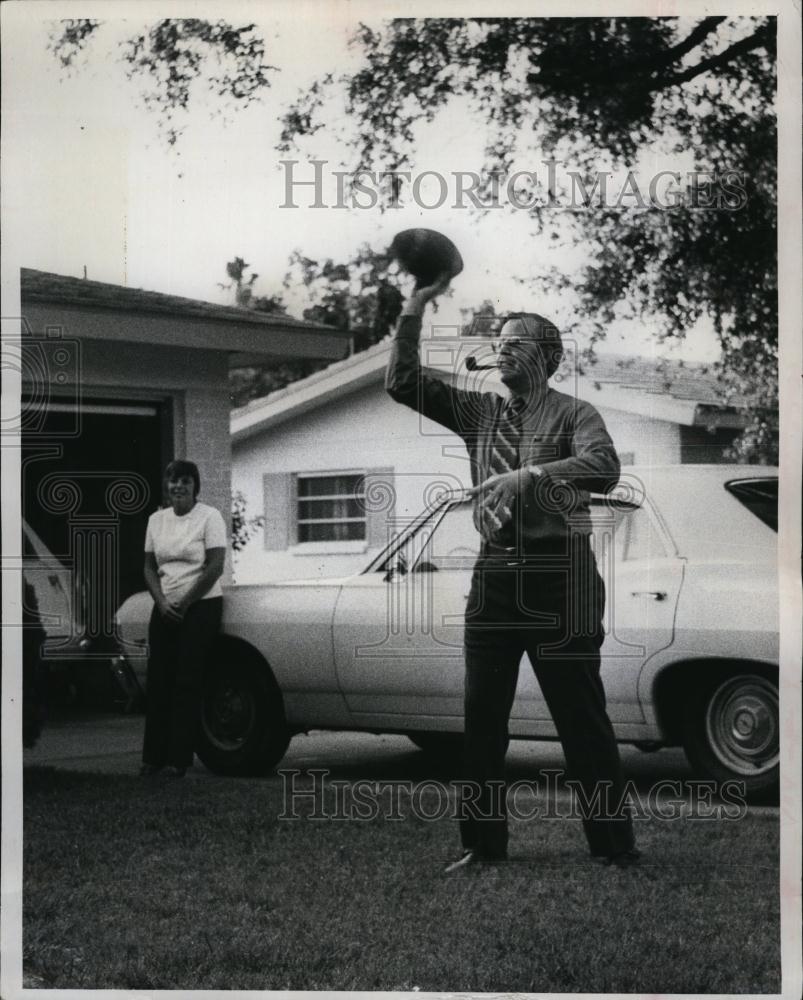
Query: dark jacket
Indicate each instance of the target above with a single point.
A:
(565, 437)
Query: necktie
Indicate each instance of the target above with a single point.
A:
(499, 527)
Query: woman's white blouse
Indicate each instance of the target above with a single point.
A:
(179, 545)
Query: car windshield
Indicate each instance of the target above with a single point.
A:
(759, 496)
(395, 548)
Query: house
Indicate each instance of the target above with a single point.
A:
(116, 382)
(336, 466)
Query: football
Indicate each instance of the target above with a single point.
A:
(425, 253)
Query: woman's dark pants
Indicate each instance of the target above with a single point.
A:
(178, 651)
(550, 605)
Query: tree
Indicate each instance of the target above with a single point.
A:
(361, 295)
(242, 527)
(586, 88)
(479, 322)
(172, 60)
(250, 382)
(243, 290)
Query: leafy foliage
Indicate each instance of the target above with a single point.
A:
(243, 288)
(361, 294)
(588, 89)
(173, 55)
(242, 527)
(70, 38)
(480, 322)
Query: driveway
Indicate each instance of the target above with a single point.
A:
(110, 743)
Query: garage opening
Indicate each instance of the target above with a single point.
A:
(91, 476)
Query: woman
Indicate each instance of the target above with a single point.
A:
(185, 548)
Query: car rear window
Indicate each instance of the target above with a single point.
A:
(760, 496)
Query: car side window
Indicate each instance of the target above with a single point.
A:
(454, 544)
(624, 533)
(409, 554)
(642, 540)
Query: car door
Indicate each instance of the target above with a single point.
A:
(398, 631)
(642, 575)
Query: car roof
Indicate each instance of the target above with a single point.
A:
(704, 520)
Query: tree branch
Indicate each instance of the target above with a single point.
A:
(760, 37)
(637, 68)
(693, 39)
(641, 72)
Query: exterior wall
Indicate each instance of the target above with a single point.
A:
(193, 382)
(649, 441)
(360, 432)
(365, 430)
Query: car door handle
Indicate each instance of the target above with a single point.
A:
(656, 595)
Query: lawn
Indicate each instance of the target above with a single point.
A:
(196, 884)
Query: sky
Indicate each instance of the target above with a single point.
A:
(106, 193)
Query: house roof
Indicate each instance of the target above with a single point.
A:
(658, 388)
(44, 286)
(247, 333)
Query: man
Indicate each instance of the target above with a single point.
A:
(535, 586)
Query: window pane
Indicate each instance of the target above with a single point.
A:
(455, 543)
(760, 496)
(317, 509)
(322, 486)
(643, 541)
(609, 533)
(353, 531)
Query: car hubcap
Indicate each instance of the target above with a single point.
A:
(228, 717)
(742, 724)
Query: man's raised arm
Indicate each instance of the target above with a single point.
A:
(405, 380)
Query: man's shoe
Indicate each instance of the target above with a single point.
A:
(174, 772)
(471, 857)
(466, 860)
(625, 859)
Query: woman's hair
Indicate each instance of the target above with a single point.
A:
(180, 467)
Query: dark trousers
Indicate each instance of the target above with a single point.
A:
(175, 678)
(549, 605)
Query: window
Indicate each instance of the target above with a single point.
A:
(760, 496)
(331, 508)
(624, 532)
(455, 542)
(642, 540)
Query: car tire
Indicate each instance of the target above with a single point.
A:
(243, 730)
(731, 730)
(444, 746)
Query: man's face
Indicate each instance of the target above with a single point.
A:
(522, 367)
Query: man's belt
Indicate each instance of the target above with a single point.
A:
(531, 550)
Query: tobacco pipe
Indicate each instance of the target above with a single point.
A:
(473, 366)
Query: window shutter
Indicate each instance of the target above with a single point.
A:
(380, 505)
(279, 509)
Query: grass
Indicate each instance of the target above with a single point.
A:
(135, 884)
